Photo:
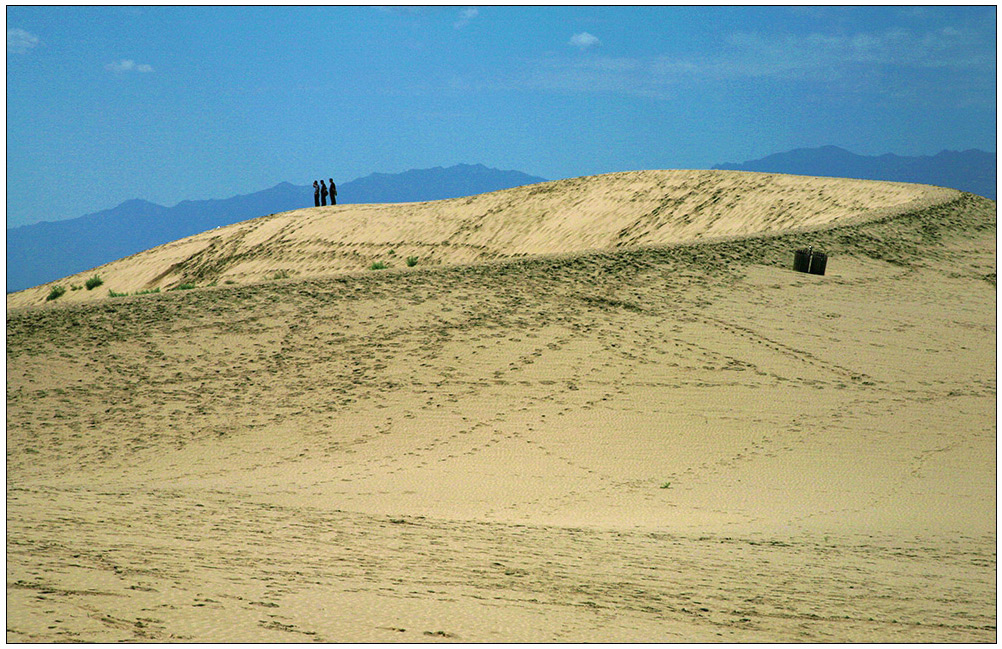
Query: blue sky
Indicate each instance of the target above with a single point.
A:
(110, 103)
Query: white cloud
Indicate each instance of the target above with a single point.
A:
(584, 40)
(20, 41)
(465, 16)
(128, 65)
(890, 63)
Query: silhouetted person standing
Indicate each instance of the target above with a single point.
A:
(333, 192)
(323, 193)
(316, 194)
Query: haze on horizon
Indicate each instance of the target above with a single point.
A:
(106, 104)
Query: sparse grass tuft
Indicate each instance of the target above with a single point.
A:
(182, 287)
(282, 274)
(666, 485)
(56, 292)
(93, 282)
(148, 291)
(412, 261)
(378, 265)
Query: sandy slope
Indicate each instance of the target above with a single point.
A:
(597, 212)
(671, 443)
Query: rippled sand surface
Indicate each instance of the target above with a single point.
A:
(648, 429)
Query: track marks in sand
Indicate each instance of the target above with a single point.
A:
(786, 350)
(469, 380)
(299, 569)
(342, 459)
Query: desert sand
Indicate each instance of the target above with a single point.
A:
(598, 409)
(612, 211)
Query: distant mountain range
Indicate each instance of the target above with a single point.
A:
(42, 252)
(431, 184)
(970, 171)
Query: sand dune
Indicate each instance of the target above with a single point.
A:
(598, 212)
(620, 424)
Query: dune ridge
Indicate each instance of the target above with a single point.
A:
(610, 211)
(647, 442)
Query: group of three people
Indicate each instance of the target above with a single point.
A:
(320, 193)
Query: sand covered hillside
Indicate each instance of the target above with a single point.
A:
(592, 213)
(655, 431)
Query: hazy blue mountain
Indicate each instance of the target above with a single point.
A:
(431, 184)
(970, 171)
(46, 251)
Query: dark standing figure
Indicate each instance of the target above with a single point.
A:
(323, 193)
(333, 192)
(316, 194)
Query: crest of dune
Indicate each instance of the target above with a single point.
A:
(610, 211)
